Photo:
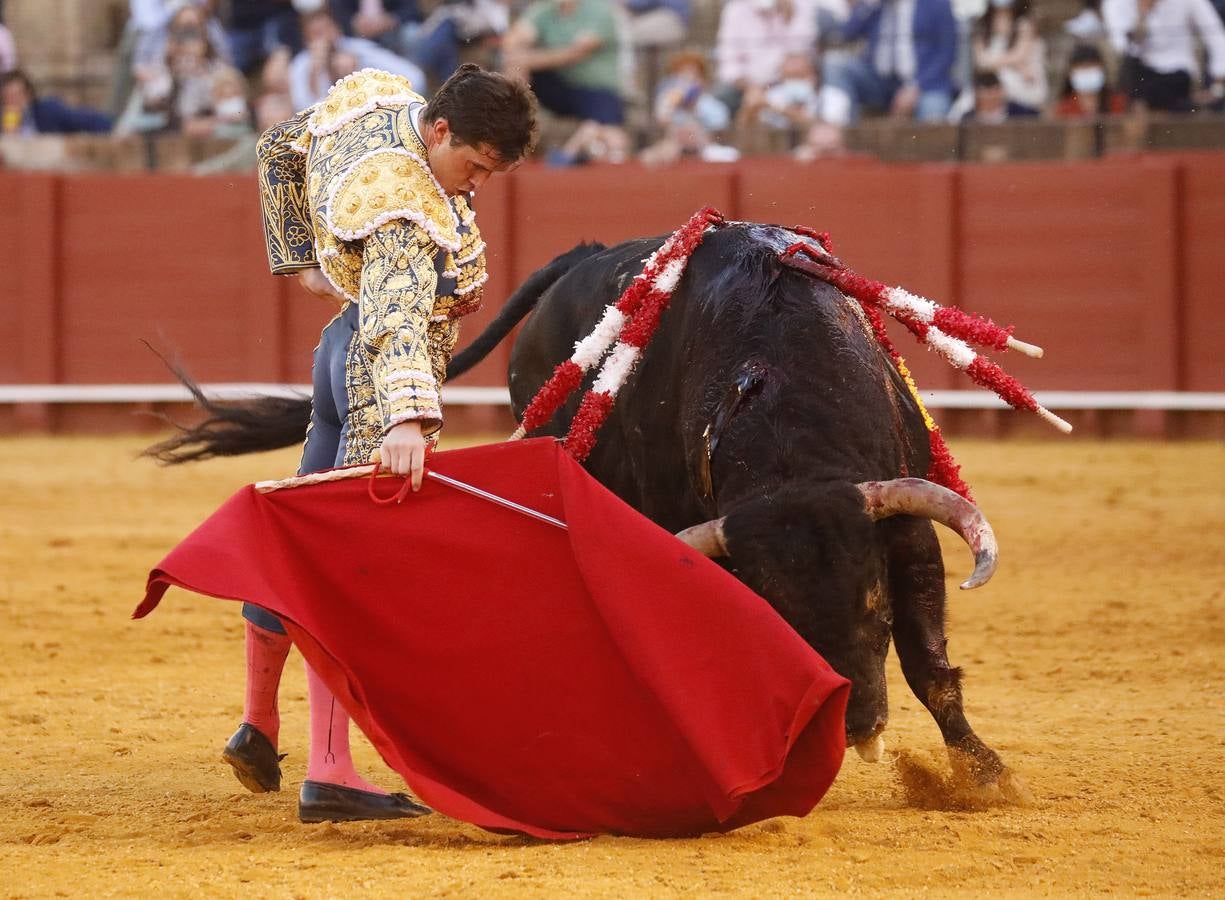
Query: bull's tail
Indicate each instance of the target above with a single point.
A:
(234, 427)
(520, 303)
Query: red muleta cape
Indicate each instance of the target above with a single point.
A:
(562, 683)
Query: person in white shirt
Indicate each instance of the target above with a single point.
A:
(323, 41)
(754, 38)
(1006, 42)
(1156, 38)
(8, 50)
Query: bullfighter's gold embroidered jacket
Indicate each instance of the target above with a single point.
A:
(345, 185)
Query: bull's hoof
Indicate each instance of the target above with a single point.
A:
(871, 750)
(1006, 790)
(1013, 789)
(981, 780)
(974, 762)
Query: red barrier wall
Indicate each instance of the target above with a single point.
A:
(1114, 266)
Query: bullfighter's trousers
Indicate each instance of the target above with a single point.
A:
(328, 433)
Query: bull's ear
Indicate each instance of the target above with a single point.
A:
(706, 538)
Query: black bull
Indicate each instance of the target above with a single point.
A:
(763, 400)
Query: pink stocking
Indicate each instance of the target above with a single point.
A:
(266, 652)
(330, 760)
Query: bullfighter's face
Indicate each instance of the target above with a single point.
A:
(460, 168)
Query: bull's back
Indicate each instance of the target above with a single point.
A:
(830, 399)
(566, 313)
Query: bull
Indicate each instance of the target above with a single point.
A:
(766, 425)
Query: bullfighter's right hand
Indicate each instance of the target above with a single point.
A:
(403, 452)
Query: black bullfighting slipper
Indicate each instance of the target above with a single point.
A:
(322, 802)
(254, 759)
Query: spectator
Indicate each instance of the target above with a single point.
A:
(822, 141)
(966, 13)
(754, 38)
(381, 21)
(906, 67)
(1087, 25)
(180, 17)
(144, 18)
(434, 44)
(1159, 66)
(177, 94)
(684, 97)
(324, 40)
(231, 111)
(1086, 90)
(991, 105)
(1006, 42)
(328, 64)
(592, 142)
(8, 49)
(22, 111)
(568, 49)
(657, 23)
(270, 109)
(688, 114)
(260, 31)
(793, 103)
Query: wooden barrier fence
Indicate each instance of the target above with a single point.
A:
(1115, 266)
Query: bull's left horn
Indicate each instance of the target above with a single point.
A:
(706, 538)
(918, 497)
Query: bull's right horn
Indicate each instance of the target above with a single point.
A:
(706, 538)
(919, 497)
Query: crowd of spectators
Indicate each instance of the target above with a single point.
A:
(632, 78)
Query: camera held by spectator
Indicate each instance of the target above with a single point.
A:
(689, 115)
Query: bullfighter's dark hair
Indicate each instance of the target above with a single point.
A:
(487, 108)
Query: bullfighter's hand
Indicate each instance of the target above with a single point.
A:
(403, 452)
(315, 282)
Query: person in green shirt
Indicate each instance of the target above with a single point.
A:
(568, 50)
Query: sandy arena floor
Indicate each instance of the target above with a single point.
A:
(1093, 666)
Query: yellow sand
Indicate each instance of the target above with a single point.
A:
(1094, 666)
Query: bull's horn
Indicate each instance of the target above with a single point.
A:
(706, 538)
(918, 497)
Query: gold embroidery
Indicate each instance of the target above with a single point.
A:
(397, 300)
(355, 94)
(442, 339)
(288, 233)
(471, 275)
(365, 192)
(340, 260)
(394, 231)
(472, 270)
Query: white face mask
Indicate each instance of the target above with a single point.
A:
(233, 108)
(1088, 81)
(1003, 4)
(797, 89)
(304, 7)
